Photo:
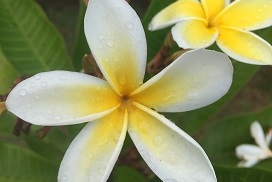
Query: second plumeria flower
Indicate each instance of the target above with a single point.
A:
(252, 154)
(200, 23)
(123, 102)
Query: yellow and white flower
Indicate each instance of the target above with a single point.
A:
(252, 154)
(200, 23)
(123, 103)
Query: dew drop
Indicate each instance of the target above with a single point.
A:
(23, 92)
(64, 178)
(100, 37)
(28, 105)
(62, 77)
(57, 117)
(37, 77)
(129, 25)
(110, 43)
(32, 85)
(37, 97)
(44, 84)
(170, 180)
(49, 112)
(102, 140)
(122, 79)
(158, 140)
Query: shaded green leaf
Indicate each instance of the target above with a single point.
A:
(221, 139)
(242, 175)
(81, 46)
(29, 41)
(125, 174)
(8, 73)
(21, 165)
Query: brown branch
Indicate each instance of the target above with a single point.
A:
(158, 62)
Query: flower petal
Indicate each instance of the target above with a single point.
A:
(93, 153)
(248, 163)
(196, 79)
(117, 41)
(194, 34)
(246, 14)
(60, 98)
(244, 46)
(249, 152)
(258, 134)
(177, 11)
(169, 152)
(269, 137)
(213, 7)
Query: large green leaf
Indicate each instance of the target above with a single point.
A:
(21, 165)
(125, 174)
(242, 175)
(8, 73)
(221, 139)
(29, 41)
(81, 46)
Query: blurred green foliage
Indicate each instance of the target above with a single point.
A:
(30, 43)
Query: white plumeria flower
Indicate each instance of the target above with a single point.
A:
(123, 103)
(252, 154)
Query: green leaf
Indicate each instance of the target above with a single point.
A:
(125, 174)
(8, 73)
(81, 46)
(221, 139)
(29, 41)
(21, 165)
(242, 175)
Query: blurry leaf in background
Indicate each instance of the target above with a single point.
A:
(29, 40)
(8, 74)
(81, 46)
(221, 139)
(128, 174)
(21, 165)
(225, 174)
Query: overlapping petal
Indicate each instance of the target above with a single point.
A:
(61, 98)
(177, 11)
(93, 153)
(244, 46)
(117, 41)
(213, 7)
(194, 80)
(246, 14)
(250, 152)
(258, 134)
(194, 34)
(169, 152)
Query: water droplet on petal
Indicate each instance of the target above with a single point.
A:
(100, 37)
(49, 112)
(37, 77)
(32, 85)
(28, 105)
(64, 178)
(122, 79)
(57, 117)
(158, 140)
(102, 140)
(37, 97)
(44, 84)
(129, 25)
(110, 43)
(62, 77)
(23, 92)
(170, 180)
